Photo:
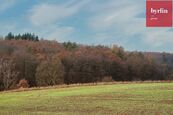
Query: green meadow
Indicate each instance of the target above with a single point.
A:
(115, 99)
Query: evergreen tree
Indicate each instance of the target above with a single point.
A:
(9, 36)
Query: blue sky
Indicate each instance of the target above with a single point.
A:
(105, 22)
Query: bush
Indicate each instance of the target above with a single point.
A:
(23, 83)
(107, 79)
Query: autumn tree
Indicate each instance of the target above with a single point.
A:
(26, 64)
(23, 83)
(8, 75)
(119, 51)
(50, 72)
(39, 63)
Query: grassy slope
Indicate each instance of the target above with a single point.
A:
(144, 98)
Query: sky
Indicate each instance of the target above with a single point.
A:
(91, 22)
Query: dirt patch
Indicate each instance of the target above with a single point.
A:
(167, 102)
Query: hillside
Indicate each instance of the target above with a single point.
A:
(32, 63)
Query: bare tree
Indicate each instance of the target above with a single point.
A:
(50, 72)
(8, 75)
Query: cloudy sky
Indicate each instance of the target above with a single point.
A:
(106, 22)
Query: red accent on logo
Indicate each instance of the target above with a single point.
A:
(159, 13)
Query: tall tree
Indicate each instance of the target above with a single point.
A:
(8, 75)
(50, 72)
(9, 36)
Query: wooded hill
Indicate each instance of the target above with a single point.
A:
(27, 61)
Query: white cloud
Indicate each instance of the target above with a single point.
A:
(113, 17)
(51, 32)
(60, 33)
(121, 18)
(44, 14)
(109, 21)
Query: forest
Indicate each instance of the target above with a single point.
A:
(28, 61)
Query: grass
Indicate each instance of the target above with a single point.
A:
(121, 99)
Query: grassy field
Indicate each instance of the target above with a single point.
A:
(121, 99)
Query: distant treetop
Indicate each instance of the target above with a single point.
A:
(26, 36)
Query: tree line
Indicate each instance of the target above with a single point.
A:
(26, 36)
(48, 63)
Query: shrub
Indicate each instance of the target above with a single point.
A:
(107, 79)
(23, 83)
